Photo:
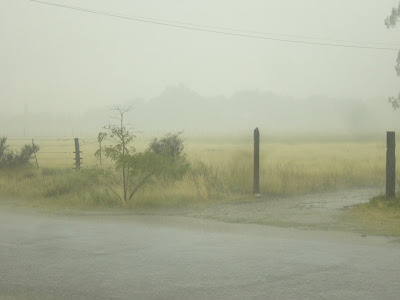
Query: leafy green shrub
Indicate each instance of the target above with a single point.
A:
(169, 149)
(170, 145)
(9, 158)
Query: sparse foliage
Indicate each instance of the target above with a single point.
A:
(120, 152)
(9, 158)
(3, 147)
(391, 22)
(163, 158)
(100, 138)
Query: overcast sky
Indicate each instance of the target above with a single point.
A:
(57, 59)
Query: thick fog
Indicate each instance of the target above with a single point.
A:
(62, 69)
(309, 211)
(178, 108)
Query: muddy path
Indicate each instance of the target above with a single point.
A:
(314, 211)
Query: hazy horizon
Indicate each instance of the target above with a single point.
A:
(178, 108)
(56, 60)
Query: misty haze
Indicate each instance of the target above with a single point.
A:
(199, 149)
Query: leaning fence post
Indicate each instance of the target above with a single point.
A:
(391, 165)
(256, 161)
(77, 155)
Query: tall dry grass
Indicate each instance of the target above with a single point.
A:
(222, 170)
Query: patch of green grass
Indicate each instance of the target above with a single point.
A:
(87, 188)
(379, 216)
(54, 187)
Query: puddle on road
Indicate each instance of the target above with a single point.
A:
(316, 211)
(322, 208)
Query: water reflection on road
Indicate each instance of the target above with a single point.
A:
(136, 257)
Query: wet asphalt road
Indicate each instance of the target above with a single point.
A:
(138, 257)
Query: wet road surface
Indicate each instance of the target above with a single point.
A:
(139, 257)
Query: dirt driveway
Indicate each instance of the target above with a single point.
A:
(315, 211)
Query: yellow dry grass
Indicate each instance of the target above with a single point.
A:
(222, 169)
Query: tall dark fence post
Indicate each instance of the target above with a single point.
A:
(256, 161)
(391, 165)
(77, 155)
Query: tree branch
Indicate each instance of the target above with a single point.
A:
(139, 185)
(115, 193)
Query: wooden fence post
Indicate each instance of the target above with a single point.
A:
(77, 155)
(34, 153)
(390, 165)
(256, 189)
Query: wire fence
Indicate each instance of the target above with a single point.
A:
(60, 152)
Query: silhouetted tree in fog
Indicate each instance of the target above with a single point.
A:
(391, 21)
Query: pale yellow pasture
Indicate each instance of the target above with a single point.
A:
(287, 167)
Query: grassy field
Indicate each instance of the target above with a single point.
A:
(292, 168)
(222, 170)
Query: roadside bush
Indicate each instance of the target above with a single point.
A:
(170, 145)
(169, 150)
(9, 158)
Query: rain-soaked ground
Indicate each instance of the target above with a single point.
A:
(104, 256)
(318, 210)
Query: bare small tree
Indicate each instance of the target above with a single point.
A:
(164, 157)
(122, 136)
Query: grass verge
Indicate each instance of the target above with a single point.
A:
(380, 216)
(89, 188)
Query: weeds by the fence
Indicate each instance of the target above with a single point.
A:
(221, 170)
